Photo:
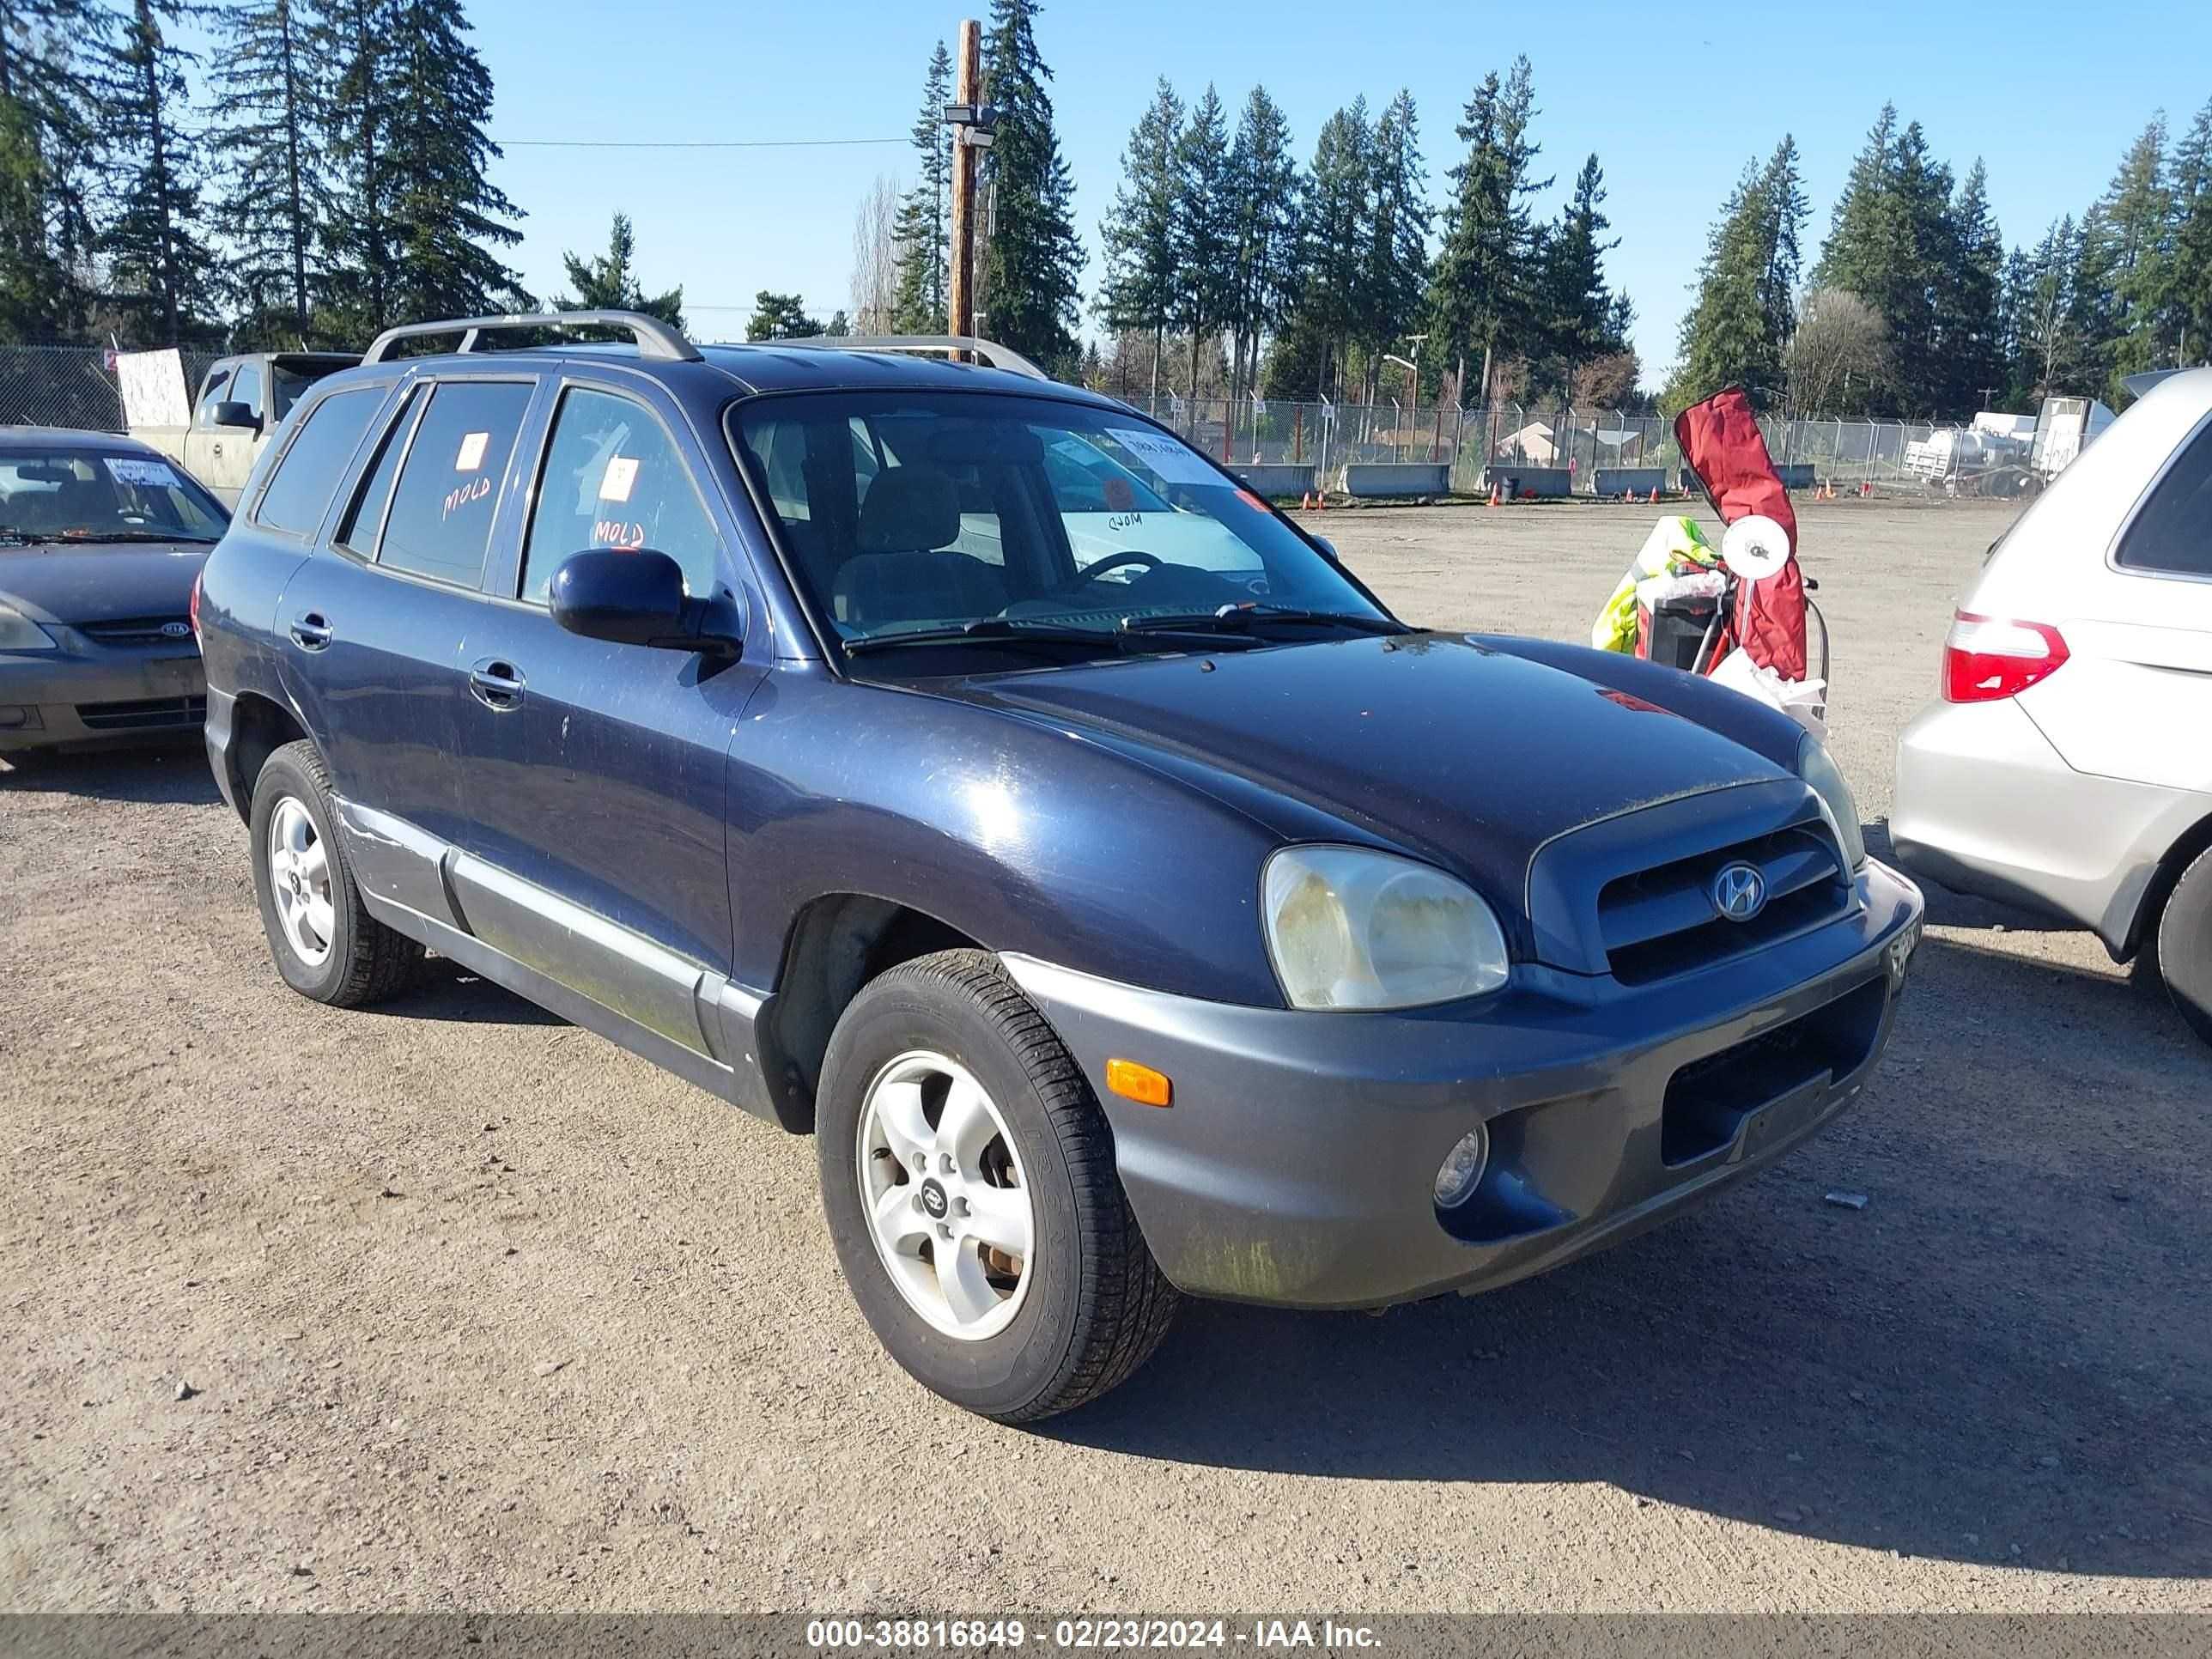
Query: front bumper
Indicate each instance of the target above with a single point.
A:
(1297, 1162)
(56, 699)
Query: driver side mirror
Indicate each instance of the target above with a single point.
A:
(234, 414)
(637, 598)
(1326, 546)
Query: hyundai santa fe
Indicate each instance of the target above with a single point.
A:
(957, 767)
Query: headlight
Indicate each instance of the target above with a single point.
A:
(1352, 928)
(19, 633)
(1818, 768)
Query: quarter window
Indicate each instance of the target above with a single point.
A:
(315, 460)
(439, 521)
(2173, 534)
(614, 478)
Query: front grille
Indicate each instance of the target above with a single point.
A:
(137, 630)
(145, 713)
(1661, 922)
(1708, 1100)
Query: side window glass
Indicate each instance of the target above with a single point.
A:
(246, 387)
(614, 478)
(359, 531)
(2174, 531)
(217, 389)
(314, 461)
(438, 523)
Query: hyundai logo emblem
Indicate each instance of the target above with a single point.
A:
(176, 630)
(1739, 892)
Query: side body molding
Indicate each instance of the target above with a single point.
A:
(676, 1013)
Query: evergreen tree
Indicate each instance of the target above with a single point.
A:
(1034, 260)
(353, 42)
(1264, 270)
(1862, 233)
(2137, 216)
(2091, 319)
(609, 281)
(1394, 277)
(781, 317)
(1576, 313)
(1139, 295)
(1781, 232)
(2050, 357)
(1732, 336)
(1334, 246)
(922, 233)
(47, 145)
(447, 218)
(161, 269)
(268, 120)
(2189, 289)
(1480, 295)
(1969, 302)
(2015, 305)
(1205, 227)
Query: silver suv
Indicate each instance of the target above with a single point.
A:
(2068, 766)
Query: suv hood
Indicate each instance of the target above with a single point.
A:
(73, 582)
(1461, 750)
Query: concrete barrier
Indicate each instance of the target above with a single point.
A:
(1539, 481)
(1382, 480)
(1612, 481)
(1276, 482)
(1798, 475)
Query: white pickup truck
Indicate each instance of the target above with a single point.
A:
(240, 403)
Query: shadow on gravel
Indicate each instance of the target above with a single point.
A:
(2002, 1357)
(451, 992)
(171, 774)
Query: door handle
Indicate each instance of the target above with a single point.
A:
(310, 632)
(497, 684)
(216, 448)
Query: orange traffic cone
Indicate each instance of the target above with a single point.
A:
(1305, 502)
(1655, 495)
(1492, 501)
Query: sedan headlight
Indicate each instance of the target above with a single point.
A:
(1349, 928)
(19, 633)
(1818, 768)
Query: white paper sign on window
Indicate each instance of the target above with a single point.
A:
(132, 470)
(1168, 458)
(619, 479)
(473, 445)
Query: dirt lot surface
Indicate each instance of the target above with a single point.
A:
(476, 1310)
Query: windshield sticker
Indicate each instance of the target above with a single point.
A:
(1167, 457)
(473, 445)
(129, 470)
(619, 479)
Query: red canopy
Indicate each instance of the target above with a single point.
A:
(1720, 442)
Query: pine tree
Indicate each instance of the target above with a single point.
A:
(1034, 260)
(446, 216)
(47, 140)
(1732, 336)
(268, 121)
(2015, 305)
(2137, 214)
(1480, 292)
(2092, 319)
(1139, 234)
(924, 242)
(1782, 232)
(161, 269)
(1969, 303)
(609, 281)
(781, 317)
(1205, 227)
(2189, 295)
(1264, 270)
(1394, 277)
(1335, 221)
(353, 42)
(2050, 356)
(1576, 312)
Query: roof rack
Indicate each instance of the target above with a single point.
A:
(655, 337)
(994, 355)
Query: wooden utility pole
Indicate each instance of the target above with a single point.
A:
(969, 90)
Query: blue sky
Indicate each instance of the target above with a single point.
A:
(2049, 95)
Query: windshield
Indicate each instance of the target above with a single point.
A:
(77, 494)
(920, 513)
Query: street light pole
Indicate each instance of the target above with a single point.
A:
(1413, 377)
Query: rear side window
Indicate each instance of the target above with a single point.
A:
(2173, 534)
(359, 531)
(614, 478)
(440, 521)
(315, 460)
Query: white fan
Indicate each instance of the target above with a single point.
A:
(1755, 548)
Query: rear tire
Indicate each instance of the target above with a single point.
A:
(950, 1039)
(325, 944)
(2185, 945)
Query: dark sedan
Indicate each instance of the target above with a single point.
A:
(101, 539)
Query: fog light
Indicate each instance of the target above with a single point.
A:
(1461, 1169)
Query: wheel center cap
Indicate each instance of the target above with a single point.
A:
(934, 1203)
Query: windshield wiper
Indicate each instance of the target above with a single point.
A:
(990, 630)
(89, 535)
(1240, 620)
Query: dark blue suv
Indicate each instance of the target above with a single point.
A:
(959, 767)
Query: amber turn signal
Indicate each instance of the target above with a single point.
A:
(1140, 1083)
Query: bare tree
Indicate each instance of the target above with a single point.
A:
(875, 258)
(1839, 355)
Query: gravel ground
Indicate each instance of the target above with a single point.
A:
(475, 1310)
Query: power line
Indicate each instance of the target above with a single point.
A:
(690, 143)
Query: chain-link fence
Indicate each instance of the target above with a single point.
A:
(1581, 442)
(71, 386)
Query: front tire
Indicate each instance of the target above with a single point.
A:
(325, 944)
(968, 1179)
(2185, 945)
